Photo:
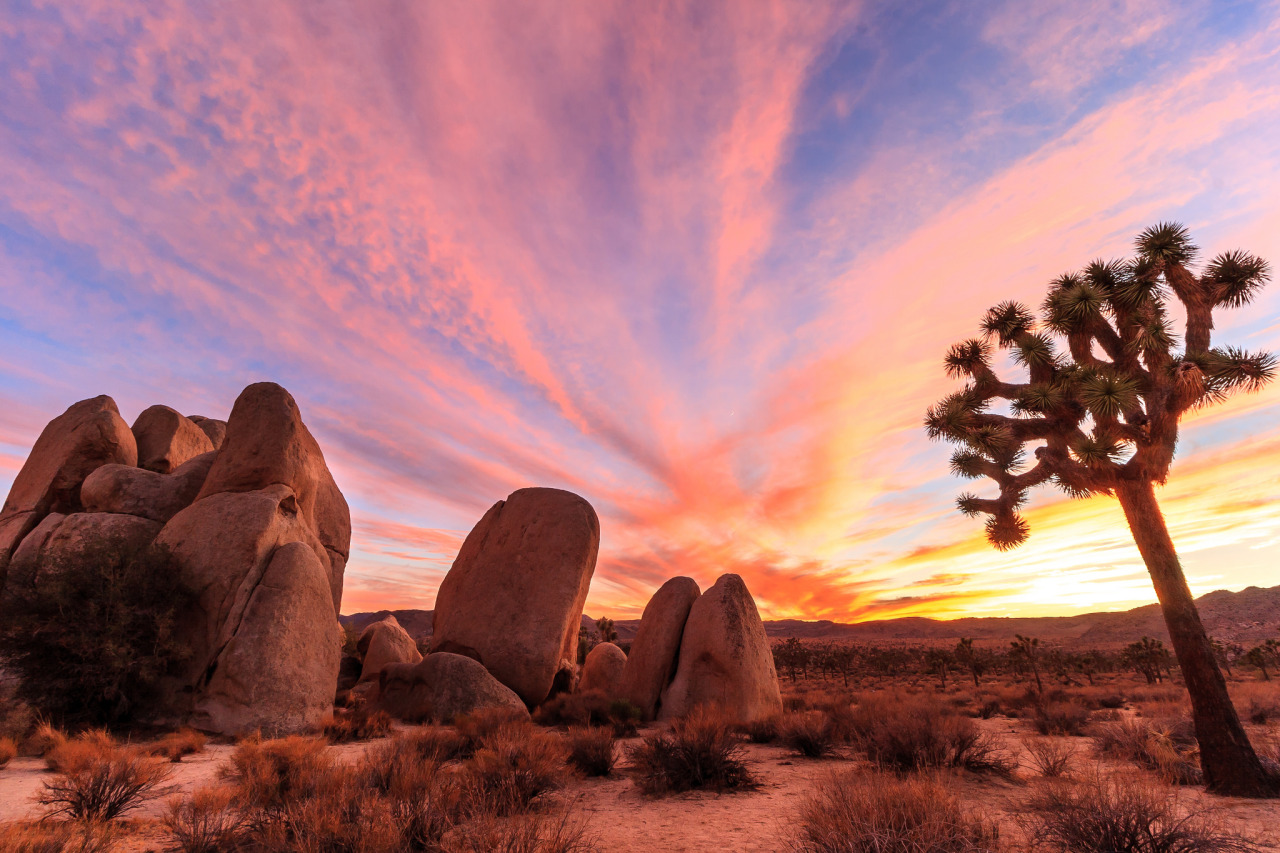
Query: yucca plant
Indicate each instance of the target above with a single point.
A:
(1106, 385)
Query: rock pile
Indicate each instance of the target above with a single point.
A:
(253, 519)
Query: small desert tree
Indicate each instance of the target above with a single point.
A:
(970, 658)
(1027, 650)
(1100, 417)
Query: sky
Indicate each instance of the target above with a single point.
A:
(697, 262)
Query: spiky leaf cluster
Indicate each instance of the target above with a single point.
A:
(1106, 382)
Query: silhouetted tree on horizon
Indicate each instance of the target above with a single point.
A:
(1101, 418)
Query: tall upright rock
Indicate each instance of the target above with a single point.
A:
(514, 596)
(654, 652)
(166, 439)
(725, 658)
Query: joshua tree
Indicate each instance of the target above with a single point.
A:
(1027, 650)
(1148, 657)
(1100, 417)
(607, 632)
(969, 656)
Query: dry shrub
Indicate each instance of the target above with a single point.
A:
(1161, 749)
(268, 774)
(915, 733)
(549, 832)
(852, 812)
(60, 837)
(46, 738)
(1257, 702)
(1122, 815)
(477, 727)
(8, 749)
(98, 782)
(341, 819)
(590, 708)
(432, 744)
(1051, 758)
(810, 733)
(1061, 718)
(1110, 701)
(989, 709)
(700, 751)
(209, 822)
(512, 768)
(176, 746)
(765, 729)
(591, 750)
(345, 726)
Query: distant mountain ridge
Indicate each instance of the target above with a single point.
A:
(1246, 617)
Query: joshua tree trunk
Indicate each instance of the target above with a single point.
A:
(1230, 765)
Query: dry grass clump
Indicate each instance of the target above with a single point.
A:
(8, 749)
(853, 812)
(555, 832)
(1122, 815)
(176, 746)
(1166, 750)
(917, 733)
(592, 708)
(208, 822)
(346, 726)
(1258, 702)
(810, 733)
(475, 728)
(59, 837)
(512, 768)
(1061, 718)
(700, 751)
(268, 774)
(99, 781)
(591, 750)
(1052, 759)
(765, 729)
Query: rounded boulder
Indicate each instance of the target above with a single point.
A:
(652, 661)
(442, 687)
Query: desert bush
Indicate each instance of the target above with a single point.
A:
(64, 754)
(989, 709)
(477, 727)
(57, 837)
(700, 751)
(46, 738)
(914, 733)
(8, 749)
(810, 733)
(345, 726)
(591, 750)
(104, 782)
(1162, 751)
(853, 812)
(1061, 718)
(1051, 758)
(268, 774)
(764, 729)
(108, 661)
(432, 743)
(1111, 701)
(176, 746)
(512, 768)
(209, 822)
(1117, 815)
(560, 831)
(591, 708)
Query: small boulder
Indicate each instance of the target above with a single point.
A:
(104, 537)
(166, 439)
(383, 643)
(442, 687)
(725, 658)
(267, 444)
(656, 648)
(602, 669)
(25, 564)
(146, 494)
(212, 427)
(15, 528)
(513, 598)
(277, 671)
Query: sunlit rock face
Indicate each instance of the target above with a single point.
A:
(254, 524)
(651, 663)
(513, 599)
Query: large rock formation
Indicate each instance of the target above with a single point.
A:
(87, 435)
(212, 427)
(602, 669)
(442, 687)
(166, 439)
(654, 652)
(384, 643)
(725, 659)
(513, 598)
(258, 530)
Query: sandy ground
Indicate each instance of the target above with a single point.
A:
(622, 820)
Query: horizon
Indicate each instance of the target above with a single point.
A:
(699, 265)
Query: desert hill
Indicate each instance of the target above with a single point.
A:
(1246, 617)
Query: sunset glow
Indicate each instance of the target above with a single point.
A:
(697, 262)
